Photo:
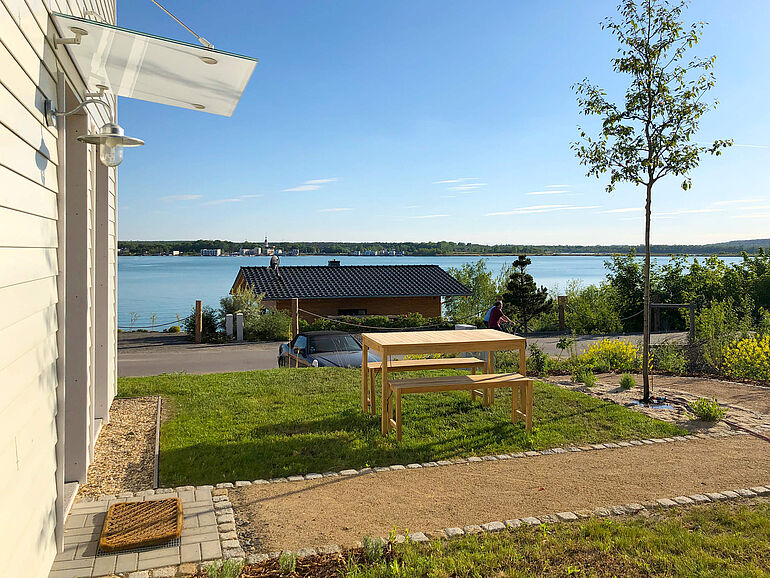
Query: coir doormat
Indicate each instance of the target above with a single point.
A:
(135, 524)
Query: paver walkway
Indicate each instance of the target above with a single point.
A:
(343, 510)
(200, 538)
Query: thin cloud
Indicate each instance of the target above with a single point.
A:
(547, 192)
(752, 146)
(448, 196)
(753, 216)
(738, 201)
(302, 188)
(335, 210)
(412, 207)
(460, 180)
(625, 210)
(755, 208)
(557, 186)
(541, 209)
(251, 196)
(222, 201)
(427, 216)
(686, 212)
(311, 185)
(171, 198)
(468, 188)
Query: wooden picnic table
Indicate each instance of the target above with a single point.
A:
(421, 342)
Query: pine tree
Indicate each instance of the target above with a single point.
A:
(523, 296)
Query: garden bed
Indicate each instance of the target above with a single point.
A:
(713, 540)
(124, 457)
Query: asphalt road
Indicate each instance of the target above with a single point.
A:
(142, 354)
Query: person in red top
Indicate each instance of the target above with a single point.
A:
(496, 316)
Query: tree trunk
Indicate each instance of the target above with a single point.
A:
(646, 329)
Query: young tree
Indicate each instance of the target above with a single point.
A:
(649, 135)
(479, 279)
(523, 296)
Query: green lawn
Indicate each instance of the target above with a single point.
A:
(265, 424)
(717, 540)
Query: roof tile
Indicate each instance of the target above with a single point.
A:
(323, 282)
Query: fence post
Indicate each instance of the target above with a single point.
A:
(692, 322)
(294, 318)
(198, 321)
(562, 304)
(239, 326)
(229, 324)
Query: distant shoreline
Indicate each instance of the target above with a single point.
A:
(481, 255)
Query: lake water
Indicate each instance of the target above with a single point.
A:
(169, 286)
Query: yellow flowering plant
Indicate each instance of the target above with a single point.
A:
(613, 355)
(748, 358)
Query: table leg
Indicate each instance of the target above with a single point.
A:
(523, 358)
(473, 391)
(385, 395)
(372, 392)
(364, 378)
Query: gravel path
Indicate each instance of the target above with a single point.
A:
(124, 457)
(342, 510)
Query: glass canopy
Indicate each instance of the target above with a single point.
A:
(146, 67)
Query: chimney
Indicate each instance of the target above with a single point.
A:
(334, 263)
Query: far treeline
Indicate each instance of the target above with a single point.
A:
(438, 248)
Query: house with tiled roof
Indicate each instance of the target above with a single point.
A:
(335, 289)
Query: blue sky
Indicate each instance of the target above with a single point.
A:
(430, 120)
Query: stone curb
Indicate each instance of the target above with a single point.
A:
(632, 509)
(441, 463)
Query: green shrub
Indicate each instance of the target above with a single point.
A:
(506, 361)
(717, 326)
(707, 409)
(210, 328)
(670, 358)
(374, 549)
(351, 323)
(538, 360)
(231, 568)
(584, 375)
(174, 329)
(591, 309)
(627, 381)
(243, 301)
(269, 326)
(287, 562)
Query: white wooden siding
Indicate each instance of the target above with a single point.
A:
(30, 229)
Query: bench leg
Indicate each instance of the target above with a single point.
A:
(398, 415)
(515, 391)
(528, 410)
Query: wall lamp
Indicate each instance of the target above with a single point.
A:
(110, 139)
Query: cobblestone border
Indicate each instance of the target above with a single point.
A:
(632, 509)
(440, 463)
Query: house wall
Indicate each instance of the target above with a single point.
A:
(427, 306)
(36, 292)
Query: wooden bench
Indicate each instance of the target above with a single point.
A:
(521, 391)
(472, 363)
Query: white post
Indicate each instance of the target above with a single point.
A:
(239, 326)
(229, 324)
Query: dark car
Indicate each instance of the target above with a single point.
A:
(322, 349)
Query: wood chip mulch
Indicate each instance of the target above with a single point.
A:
(321, 566)
(124, 457)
